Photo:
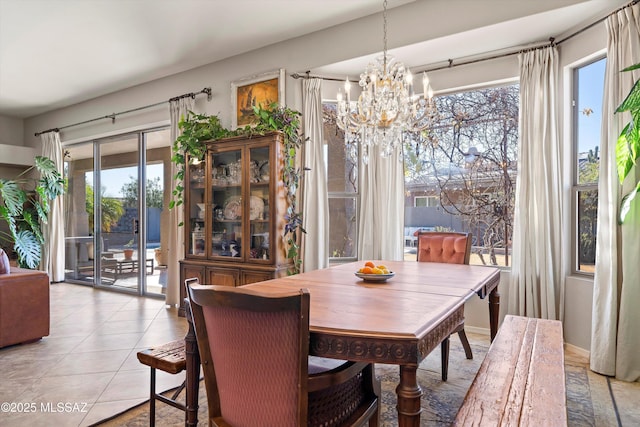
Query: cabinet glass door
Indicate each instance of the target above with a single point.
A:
(197, 209)
(226, 204)
(259, 201)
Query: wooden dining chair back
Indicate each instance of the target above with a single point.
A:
(450, 248)
(255, 355)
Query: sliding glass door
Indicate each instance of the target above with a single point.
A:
(118, 183)
(120, 256)
(79, 225)
(157, 171)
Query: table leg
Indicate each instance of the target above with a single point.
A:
(192, 357)
(409, 394)
(494, 311)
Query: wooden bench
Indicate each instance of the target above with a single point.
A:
(521, 381)
(169, 358)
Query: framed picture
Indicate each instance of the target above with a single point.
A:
(262, 89)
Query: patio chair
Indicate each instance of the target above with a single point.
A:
(451, 248)
(255, 356)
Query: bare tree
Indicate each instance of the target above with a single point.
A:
(469, 157)
(588, 172)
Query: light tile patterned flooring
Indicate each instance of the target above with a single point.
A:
(87, 368)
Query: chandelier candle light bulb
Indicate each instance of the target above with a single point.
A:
(425, 84)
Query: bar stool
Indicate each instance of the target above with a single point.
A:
(169, 358)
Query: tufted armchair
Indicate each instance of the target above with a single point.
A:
(255, 356)
(451, 248)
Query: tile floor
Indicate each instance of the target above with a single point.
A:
(86, 369)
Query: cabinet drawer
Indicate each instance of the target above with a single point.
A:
(249, 276)
(189, 272)
(223, 276)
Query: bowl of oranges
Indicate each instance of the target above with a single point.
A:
(374, 273)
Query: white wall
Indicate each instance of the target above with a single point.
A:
(354, 39)
(323, 48)
(11, 131)
(14, 157)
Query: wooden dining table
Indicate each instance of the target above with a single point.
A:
(398, 322)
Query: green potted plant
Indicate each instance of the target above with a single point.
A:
(286, 121)
(24, 205)
(628, 145)
(198, 128)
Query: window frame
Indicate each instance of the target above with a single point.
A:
(427, 199)
(489, 84)
(344, 195)
(576, 187)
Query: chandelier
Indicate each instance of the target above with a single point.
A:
(387, 107)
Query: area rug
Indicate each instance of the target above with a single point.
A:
(440, 401)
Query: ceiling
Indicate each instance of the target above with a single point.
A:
(55, 53)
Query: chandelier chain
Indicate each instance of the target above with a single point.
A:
(384, 32)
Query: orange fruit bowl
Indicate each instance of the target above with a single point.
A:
(375, 277)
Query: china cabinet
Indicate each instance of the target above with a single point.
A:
(234, 213)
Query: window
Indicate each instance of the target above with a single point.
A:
(588, 91)
(467, 161)
(426, 202)
(342, 186)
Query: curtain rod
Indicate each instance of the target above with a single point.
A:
(307, 75)
(206, 90)
(631, 3)
(451, 63)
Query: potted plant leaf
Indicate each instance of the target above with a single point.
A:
(628, 145)
(24, 206)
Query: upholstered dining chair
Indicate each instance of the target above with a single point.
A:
(451, 248)
(254, 350)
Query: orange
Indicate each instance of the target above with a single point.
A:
(369, 264)
(367, 270)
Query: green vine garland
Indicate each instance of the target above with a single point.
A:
(198, 128)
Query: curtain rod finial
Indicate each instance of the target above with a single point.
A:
(207, 90)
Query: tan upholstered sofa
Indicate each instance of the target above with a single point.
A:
(24, 306)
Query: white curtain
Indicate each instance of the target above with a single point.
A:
(178, 109)
(315, 209)
(537, 276)
(53, 252)
(615, 347)
(381, 225)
